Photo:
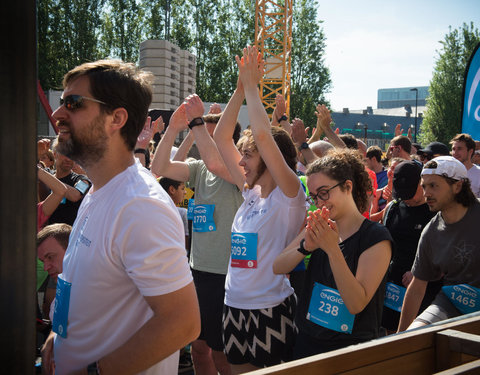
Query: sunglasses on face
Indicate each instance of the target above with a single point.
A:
(323, 194)
(73, 102)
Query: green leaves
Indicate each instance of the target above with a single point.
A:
(442, 119)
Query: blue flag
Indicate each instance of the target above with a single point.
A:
(471, 96)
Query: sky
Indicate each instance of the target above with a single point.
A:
(374, 44)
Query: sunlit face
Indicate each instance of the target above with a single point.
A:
(46, 160)
(251, 162)
(395, 150)
(326, 192)
(51, 253)
(460, 152)
(177, 194)
(438, 192)
(82, 135)
(63, 164)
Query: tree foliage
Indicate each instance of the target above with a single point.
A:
(444, 105)
(71, 32)
(310, 77)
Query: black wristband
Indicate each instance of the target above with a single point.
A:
(140, 151)
(196, 122)
(283, 118)
(92, 369)
(302, 250)
(303, 146)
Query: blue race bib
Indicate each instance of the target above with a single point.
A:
(464, 297)
(203, 218)
(191, 205)
(328, 310)
(61, 306)
(244, 250)
(394, 295)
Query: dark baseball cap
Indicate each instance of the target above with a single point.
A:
(435, 148)
(406, 178)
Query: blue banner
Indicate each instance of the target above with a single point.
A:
(471, 96)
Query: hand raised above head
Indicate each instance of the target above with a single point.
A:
(193, 107)
(398, 130)
(323, 117)
(250, 66)
(298, 131)
(146, 134)
(280, 106)
(215, 109)
(178, 121)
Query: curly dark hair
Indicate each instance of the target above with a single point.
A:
(345, 164)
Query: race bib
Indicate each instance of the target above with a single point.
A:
(394, 296)
(61, 306)
(464, 297)
(328, 310)
(203, 218)
(191, 205)
(244, 250)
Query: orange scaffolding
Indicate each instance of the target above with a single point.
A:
(273, 38)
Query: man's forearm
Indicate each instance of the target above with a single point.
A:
(411, 304)
(184, 148)
(161, 159)
(159, 337)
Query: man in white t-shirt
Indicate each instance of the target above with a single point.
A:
(125, 300)
(463, 148)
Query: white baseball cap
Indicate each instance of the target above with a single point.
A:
(446, 166)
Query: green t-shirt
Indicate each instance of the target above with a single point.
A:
(211, 250)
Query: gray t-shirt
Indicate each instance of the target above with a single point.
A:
(211, 250)
(452, 250)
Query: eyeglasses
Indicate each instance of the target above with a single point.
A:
(323, 195)
(73, 102)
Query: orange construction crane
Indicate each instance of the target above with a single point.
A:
(273, 38)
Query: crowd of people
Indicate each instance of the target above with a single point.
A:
(290, 245)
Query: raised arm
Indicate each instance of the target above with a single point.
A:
(206, 146)
(289, 257)
(323, 123)
(58, 191)
(300, 139)
(279, 116)
(145, 136)
(161, 164)
(251, 69)
(223, 136)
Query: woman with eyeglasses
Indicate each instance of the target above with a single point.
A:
(342, 299)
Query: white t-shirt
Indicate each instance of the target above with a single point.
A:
(127, 242)
(474, 177)
(277, 220)
(183, 214)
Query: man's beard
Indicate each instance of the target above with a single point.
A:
(87, 148)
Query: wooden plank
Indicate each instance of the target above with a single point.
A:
(471, 368)
(376, 351)
(462, 342)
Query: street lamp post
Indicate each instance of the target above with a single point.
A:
(364, 127)
(416, 106)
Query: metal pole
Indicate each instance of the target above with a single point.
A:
(416, 105)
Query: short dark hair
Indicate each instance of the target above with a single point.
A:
(120, 85)
(404, 142)
(375, 152)
(466, 138)
(59, 231)
(215, 118)
(167, 182)
(349, 140)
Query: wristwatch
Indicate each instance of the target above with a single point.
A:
(303, 146)
(196, 122)
(302, 250)
(283, 118)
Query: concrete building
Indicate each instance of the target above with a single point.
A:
(174, 70)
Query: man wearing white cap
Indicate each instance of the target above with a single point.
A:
(448, 247)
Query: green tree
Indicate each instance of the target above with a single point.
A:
(444, 105)
(310, 77)
(122, 29)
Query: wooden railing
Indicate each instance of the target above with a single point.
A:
(449, 347)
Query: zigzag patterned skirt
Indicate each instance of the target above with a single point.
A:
(263, 337)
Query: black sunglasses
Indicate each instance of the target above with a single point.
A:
(73, 102)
